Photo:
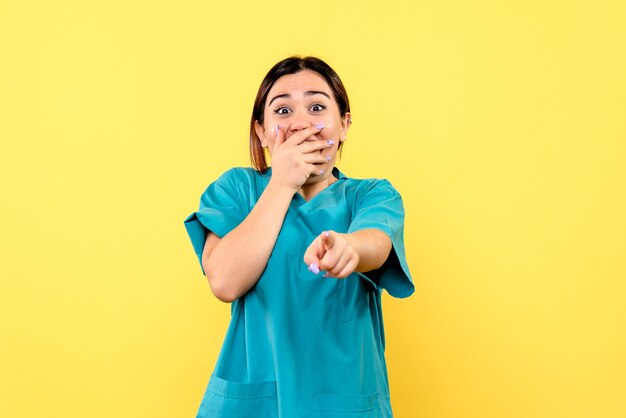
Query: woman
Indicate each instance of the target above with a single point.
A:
(302, 252)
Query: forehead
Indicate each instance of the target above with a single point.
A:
(300, 82)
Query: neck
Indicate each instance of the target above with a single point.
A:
(308, 191)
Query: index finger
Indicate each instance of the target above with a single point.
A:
(301, 136)
(313, 255)
(327, 239)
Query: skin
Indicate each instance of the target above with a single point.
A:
(302, 156)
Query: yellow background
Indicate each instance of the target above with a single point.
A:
(501, 123)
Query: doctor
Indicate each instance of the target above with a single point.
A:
(302, 252)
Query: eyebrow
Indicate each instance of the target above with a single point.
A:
(306, 93)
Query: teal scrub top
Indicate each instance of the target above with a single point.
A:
(299, 344)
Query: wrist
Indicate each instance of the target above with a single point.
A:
(352, 241)
(280, 190)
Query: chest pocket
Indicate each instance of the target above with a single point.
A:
(224, 398)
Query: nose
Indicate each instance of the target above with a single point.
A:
(299, 122)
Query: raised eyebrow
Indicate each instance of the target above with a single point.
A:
(306, 93)
(287, 95)
(314, 92)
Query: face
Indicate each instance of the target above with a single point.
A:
(297, 101)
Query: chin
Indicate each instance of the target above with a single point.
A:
(315, 178)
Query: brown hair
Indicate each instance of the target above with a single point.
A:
(291, 65)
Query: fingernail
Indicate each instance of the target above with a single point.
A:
(321, 172)
(325, 275)
(328, 158)
(314, 268)
(326, 233)
(319, 126)
(277, 126)
(331, 142)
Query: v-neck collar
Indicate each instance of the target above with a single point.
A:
(338, 175)
(297, 197)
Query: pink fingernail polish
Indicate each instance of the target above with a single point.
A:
(314, 268)
(331, 142)
(328, 158)
(321, 172)
(326, 233)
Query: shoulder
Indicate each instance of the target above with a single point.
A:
(236, 177)
(368, 187)
(234, 185)
(238, 173)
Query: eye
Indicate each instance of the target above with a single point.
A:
(317, 107)
(282, 110)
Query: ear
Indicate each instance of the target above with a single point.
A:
(346, 120)
(260, 132)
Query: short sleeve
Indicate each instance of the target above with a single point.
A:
(380, 207)
(221, 210)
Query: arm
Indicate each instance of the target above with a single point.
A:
(373, 247)
(343, 254)
(379, 208)
(234, 263)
